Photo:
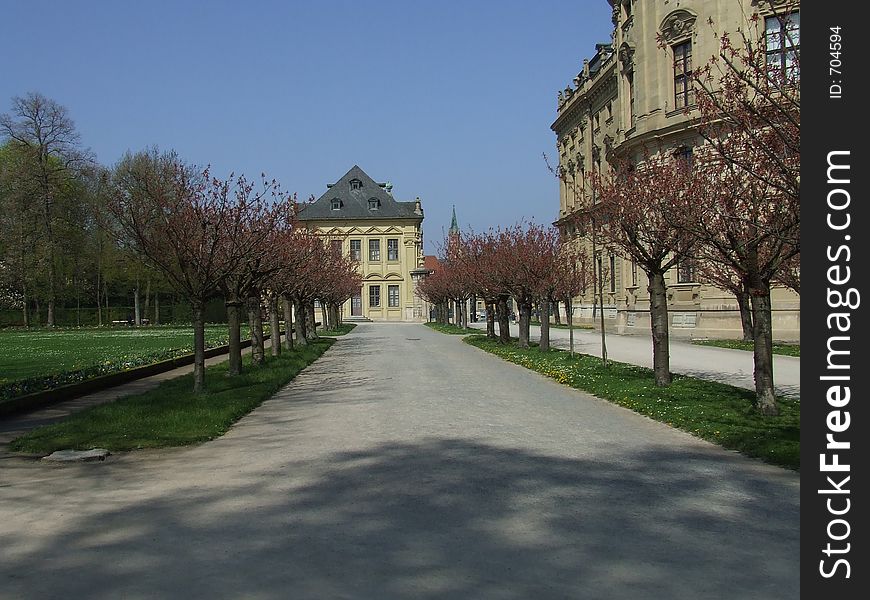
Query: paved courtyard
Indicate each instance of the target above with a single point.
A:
(406, 464)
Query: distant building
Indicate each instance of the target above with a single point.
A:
(631, 95)
(385, 236)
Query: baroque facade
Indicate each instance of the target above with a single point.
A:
(632, 97)
(385, 236)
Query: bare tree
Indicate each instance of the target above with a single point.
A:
(178, 218)
(749, 112)
(643, 207)
(44, 132)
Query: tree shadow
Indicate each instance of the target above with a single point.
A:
(439, 518)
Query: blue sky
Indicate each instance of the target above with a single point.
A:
(450, 101)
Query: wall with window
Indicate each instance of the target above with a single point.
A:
(639, 96)
(387, 252)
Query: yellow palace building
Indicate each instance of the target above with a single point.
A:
(383, 235)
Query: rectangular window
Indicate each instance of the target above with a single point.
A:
(683, 94)
(374, 250)
(393, 249)
(356, 249)
(374, 296)
(612, 274)
(633, 273)
(336, 246)
(686, 271)
(782, 37)
(393, 296)
(684, 154)
(629, 83)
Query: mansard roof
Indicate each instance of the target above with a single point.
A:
(358, 196)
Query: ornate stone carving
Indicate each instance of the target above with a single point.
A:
(678, 25)
(626, 56)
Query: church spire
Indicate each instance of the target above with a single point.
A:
(454, 227)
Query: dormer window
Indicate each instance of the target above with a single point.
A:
(374, 204)
(336, 204)
(355, 184)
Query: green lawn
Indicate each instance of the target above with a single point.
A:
(713, 411)
(451, 329)
(37, 359)
(171, 414)
(778, 348)
(341, 330)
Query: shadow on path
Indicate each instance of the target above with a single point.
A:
(439, 518)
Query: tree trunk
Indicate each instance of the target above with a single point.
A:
(325, 314)
(99, 305)
(26, 309)
(156, 307)
(288, 322)
(52, 276)
(557, 318)
(504, 322)
(258, 353)
(744, 303)
(235, 344)
(525, 309)
(78, 303)
(49, 320)
(601, 314)
(147, 304)
(597, 272)
(301, 324)
(658, 317)
(198, 307)
(490, 319)
(545, 326)
(137, 315)
(463, 314)
(311, 324)
(763, 353)
(569, 317)
(274, 324)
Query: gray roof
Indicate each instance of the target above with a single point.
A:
(355, 202)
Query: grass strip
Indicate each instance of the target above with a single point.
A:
(778, 348)
(451, 329)
(562, 325)
(716, 412)
(171, 414)
(342, 329)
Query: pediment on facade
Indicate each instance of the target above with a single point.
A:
(678, 25)
(626, 56)
(371, 276)
(393, 276)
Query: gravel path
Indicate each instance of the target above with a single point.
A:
(406, 464)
